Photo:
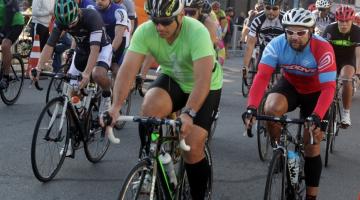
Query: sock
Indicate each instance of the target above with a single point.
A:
(198, 175)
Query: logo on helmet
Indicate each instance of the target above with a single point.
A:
(170, 8)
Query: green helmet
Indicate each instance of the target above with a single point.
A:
(66, 11)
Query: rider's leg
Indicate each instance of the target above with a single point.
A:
(347, 72)
(6, 55)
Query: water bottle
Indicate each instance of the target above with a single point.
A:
(293, 164)
(168, 164)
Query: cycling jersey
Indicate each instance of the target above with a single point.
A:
(130, 8)
(309, 71)
(343, 44)
(10, 14)
(176, 59)
(86, 32)
(321, 23)
(112, 16)
(87, 4)
(264, 29)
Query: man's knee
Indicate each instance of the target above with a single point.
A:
(99, 73)
(6, 44)
(274, 107)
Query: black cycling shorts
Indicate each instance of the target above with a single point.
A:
(13, 33)
(306, 102)
(340, 63)
(204, 116)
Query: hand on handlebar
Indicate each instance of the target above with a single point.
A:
(313, 124)
(186, 125)
(248, 118)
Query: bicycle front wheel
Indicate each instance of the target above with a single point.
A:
(138, 184)
(55, 89)
(10, 94)
(276, 181)
(96, 143)
(50, 140)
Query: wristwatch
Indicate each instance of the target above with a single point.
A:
(190, 112)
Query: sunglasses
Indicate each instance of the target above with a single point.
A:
(190, 12)
(322, 9)
(274, 8)
(163, 21)
(298, 33)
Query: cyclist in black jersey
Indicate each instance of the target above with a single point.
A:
(345, 39)
(264, 27)
(11, 24)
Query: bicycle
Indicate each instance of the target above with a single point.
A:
(60, 121)
(335, 117)
(290, 179)
(15, 81)
(248, 76)
(150, 178)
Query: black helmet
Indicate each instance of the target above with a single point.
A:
(194, 3)
(163, 8)
(272, 2)
(206, 7)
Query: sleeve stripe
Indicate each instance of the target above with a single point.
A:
(327, 77)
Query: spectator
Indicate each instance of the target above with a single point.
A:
(42, 11)
(230, 28)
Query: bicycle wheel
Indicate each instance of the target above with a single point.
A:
(276, 181)
(138, 183)
(55, 89)
(125, 110)
(96, 143)
(247, 82)
(213, 125)
(185, 187)
(263, 137)
(51, 136)
(330, 131)
(16, 81)
(337, 123)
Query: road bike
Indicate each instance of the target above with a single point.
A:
(151, 178)
(61, 123)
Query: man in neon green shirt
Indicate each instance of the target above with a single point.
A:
(191, 79)
(11, 24)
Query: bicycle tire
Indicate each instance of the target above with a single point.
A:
(215, 117)
(94, 132)
(131, 182)
(337, 127)
(125, 110)
(277, 167)
(330, 132)
(17, 76)
(263, 138)
(59, 135)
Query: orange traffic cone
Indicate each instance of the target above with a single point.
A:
(34, 55)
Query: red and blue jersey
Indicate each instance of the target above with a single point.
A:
(311, 70)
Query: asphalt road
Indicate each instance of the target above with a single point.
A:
(238, 172)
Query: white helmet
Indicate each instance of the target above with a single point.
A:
(298, 17)
(323, 4)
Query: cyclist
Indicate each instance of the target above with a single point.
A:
(345, 39)
(308, 82)
(86, 4)
(117, 27)
(323, 15)
(221, 16)
(129, 5)
(11, 25)
(264, 27)
(190, 78)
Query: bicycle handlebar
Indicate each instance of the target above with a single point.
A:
(107, 120)
(57, 75)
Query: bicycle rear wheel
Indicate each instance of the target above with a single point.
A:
(263, 137)
(276, 181)
(96, 143)
(16, 81)
(137, 184)
(51, 137)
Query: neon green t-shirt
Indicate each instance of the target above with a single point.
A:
(176, 59)
(18, 18)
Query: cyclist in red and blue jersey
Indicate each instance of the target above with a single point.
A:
(308, 82)
(117, 27)
(344, 36)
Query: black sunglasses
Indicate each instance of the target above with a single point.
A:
(274, 8)
(190, 11)
(163, 21)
